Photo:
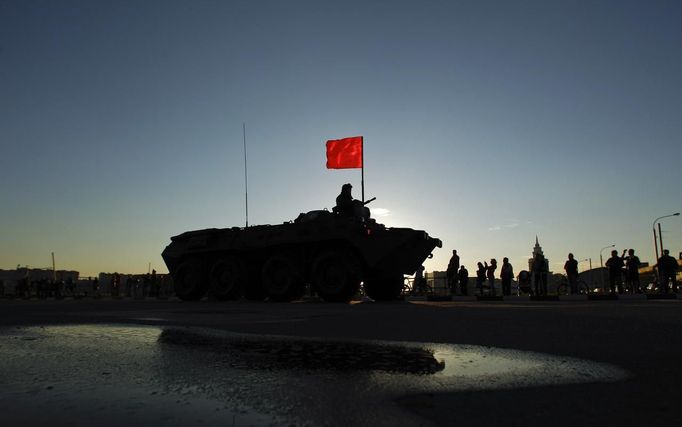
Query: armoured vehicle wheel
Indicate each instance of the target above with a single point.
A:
(252, 288)
(190, 280)
(336, 276)
(254, 292)
(282, 281)
(226, 278)
(384, 287)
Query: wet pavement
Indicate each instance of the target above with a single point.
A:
(187, 376)
(165, 362)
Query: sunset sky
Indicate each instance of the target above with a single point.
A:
(485, 123)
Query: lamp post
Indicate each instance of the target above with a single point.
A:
(601, 263)
(660, 237)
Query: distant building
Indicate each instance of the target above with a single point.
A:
(551, 280)
(437, 280)
(33, 274)
(537, 250)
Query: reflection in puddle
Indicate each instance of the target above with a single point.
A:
(257, 352)
(184, 376)
(443, 367)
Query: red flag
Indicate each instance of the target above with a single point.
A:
(344, 153)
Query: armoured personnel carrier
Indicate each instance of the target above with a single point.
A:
(331, 252)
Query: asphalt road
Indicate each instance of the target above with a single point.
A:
(128, 362)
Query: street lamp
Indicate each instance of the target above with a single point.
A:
(660, 235)
(601, 262)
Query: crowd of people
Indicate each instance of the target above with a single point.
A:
(626, 266)
(457, 276)
(131, 285)
(623, 274)
(135, 286)
(535, 281)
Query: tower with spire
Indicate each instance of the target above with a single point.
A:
(537, 250)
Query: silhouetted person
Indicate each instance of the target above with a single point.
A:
(166, 287)
(71, 286)
(344, 201)
(115, 282)
(61, 288)
(480, 278)
(346, 205)
(146, 281)
(490, 274)
(667, 271)
(539, 273)
(129, 286)
(615, 267)
(41, 289)
(571, 269)
(95, 287)
(155, 285)
(419, 284)
(506, 274)
(632, 272)
(23, 288)
(451, 272)
(463, 276)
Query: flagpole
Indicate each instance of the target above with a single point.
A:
(362, 173)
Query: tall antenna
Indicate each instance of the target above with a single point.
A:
(54, 269)
(246, 178)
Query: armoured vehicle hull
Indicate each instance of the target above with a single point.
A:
(331, 252)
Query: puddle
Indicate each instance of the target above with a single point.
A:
(277, 353)
(188, 376)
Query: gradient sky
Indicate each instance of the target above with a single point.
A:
(486, 123)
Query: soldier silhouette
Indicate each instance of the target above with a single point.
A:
(346, 205)
(344, 201)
